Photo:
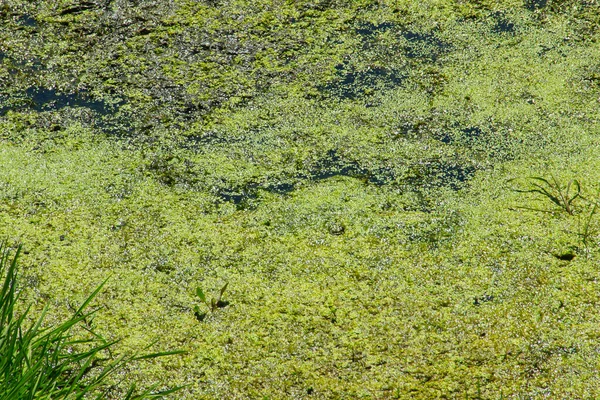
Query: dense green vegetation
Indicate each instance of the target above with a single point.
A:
(360, 174)
(55, 362)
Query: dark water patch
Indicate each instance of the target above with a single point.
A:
(568, 256)
(412, 128)
(490, 143)
(43, 99)
(503, 25)
(440, 173)
(424, 45)
(194, 142)
(546, 49)
(236, 197)
(369, 28)
(469, 134)
(280, 188)
(333, 165)
(446, 137)
(472, 132)
(420, 44)
(352, 84)
(78, 8)
(379, 176)
(533, 5)
(242, 198)
(24, 65)
(246, 198)
(27, 20)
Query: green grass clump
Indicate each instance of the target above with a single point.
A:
(562, 196)
(50, 362)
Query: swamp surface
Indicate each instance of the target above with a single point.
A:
(358, 172)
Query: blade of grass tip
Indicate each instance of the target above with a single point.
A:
(537, 209)
(72, 383)
(17, 389)
(222, 291)
(162, 393)
(92, 332)
(91, 296)
(34, 389)
(35, 328)
(4, 255)
(7, 294)
(13, 270)
(75, 358)
(541, 179)
(568, 197)
(541, 186)
(150, 345)
(109, 368)
(146, 394)
(129, 394)
(67, 325)
(578, 188)
(159, 354)
(75, 342)
(7, 281)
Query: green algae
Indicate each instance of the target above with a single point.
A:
(345, 166)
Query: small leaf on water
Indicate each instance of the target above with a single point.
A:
(222, 291)
(200, 294)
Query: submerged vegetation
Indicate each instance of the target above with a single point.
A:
(347, 167)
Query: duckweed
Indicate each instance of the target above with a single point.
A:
(344, 166)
